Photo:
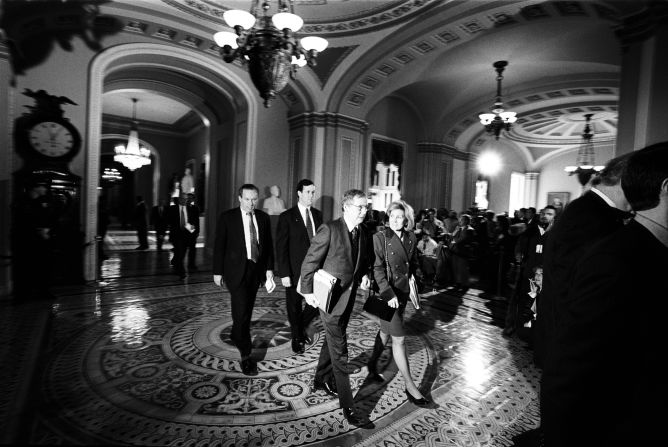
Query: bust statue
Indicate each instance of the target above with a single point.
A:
(274, 205)
(187, 182)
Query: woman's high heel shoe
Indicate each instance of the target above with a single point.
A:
(421, 402)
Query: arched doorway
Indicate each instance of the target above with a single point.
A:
(223, 100)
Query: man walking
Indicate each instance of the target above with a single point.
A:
(183, 230)
(296, 227)
(243, 258)
(139, 220)
(159, 222)
(344, 251)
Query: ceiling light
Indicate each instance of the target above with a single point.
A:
(131, 155)
(267, 45)
(499, 119)
(585, 166)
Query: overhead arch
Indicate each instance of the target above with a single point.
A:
(117, 64)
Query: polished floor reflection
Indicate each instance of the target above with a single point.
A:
(142, 357)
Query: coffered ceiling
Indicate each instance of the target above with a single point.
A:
(435, 55)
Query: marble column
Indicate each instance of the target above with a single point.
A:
(330, 149)
(531, 189)
(10, 163)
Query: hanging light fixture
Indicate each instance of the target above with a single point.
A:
(269, 47)
(111, 175)
(499, 119)
(585, 167)
(131, 155)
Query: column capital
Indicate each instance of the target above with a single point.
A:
(444, 149)
(327, 119)
(643, 24)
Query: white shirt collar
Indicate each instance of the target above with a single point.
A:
(605, 198)
(302, 208)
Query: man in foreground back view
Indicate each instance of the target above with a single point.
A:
(602, 376)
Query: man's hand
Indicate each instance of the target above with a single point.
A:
(311, 299)
(218, 280)
(394, 302)
(286, 282)
(366, 282)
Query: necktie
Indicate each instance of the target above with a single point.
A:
(255, 247)
(184, 218)
(309, 225)
(355, 243)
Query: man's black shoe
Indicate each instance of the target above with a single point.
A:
(354, 418)
(297, 346)
(249, 367)
(325, 386)
(306, 338)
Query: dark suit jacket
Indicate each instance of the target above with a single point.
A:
(616, 308)
(229, 252)
(292, 241)
(583, 222)
(330, 250)
(160, 221)
(174, 222)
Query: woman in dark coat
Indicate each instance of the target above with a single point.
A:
(396, 247)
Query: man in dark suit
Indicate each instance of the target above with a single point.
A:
(139, 220)
(589, 218)
(614, 309)
(183, 229)
(192, 242)
(243, 258)
(159, 222)
(296, 226)
(345, 251)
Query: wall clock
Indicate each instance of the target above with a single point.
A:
(45, 135)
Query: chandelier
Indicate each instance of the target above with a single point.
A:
(269, 47)
(132, 156)
(499, 119)
(111, 175)
(585, 167)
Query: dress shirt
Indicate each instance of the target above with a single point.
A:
(302, 211)
(247, 236)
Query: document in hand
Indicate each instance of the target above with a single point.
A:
(323, 283)
(414, 295)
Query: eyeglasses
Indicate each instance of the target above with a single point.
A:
(359, 207)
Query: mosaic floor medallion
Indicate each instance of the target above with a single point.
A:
(170, 367)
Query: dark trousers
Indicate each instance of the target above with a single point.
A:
(191, 248)
(160, 239)
(182, 243)
(299, 316)
(334, 353)
(142, 236)
(243, 300)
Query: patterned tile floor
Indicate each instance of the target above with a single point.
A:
(144, 358)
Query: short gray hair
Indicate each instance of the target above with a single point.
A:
(350, 195)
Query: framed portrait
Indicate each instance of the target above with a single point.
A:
(558, 200)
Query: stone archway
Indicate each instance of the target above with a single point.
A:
(202, 70)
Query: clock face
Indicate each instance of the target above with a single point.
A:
(51, 139)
